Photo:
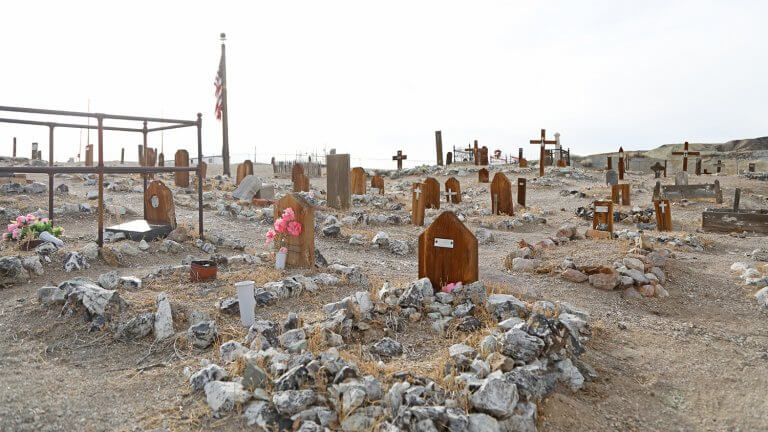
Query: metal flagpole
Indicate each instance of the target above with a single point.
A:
(224, 109)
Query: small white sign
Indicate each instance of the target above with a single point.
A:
(521, 182)
(444, 243)
(601, 209)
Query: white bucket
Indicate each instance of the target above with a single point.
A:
(280, 258)
(50, 238)
(247, 302)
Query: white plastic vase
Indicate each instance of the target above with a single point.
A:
(246, 302)
(280, 259)
(50, 238)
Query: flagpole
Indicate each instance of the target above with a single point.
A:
(224, 109)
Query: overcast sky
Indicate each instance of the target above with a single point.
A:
(370, 78)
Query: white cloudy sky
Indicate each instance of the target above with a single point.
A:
(372, 77)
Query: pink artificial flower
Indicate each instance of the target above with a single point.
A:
(283, 249)
(288, 214)
(270, 236)
(12, 227)
(44, 220)
(16, 233)
(20, 220)
(31, 217)
(294, 228)
(281, 225)
(448, 288)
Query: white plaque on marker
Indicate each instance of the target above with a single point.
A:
(601, 209)
(444, 243)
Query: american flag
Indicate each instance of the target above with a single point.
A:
(219, 83)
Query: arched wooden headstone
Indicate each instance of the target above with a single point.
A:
(161, 160)
(301, 183)
(243, 170)
(203, 169)
(431, 190)
(182, 160)
(158, 202)
(357, 181)
(501, 195)
(449, 158)
(301, 249)
(296, 172)
(151, 157)
(338, 181)
(447, 252)
(482, 175)
(483, 155)
(663, 215)
(521, 183)
(620, 194)
(377, 182)
(417, 204)
(452, 191)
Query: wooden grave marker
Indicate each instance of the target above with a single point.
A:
(161, 159)
(150, 158)
(665, 168)
(621, 163)
(158, 201)
(663, 215)
(522, 162)
(484, 156)
(357, 181)
(657, 168)
(34, 151)
(203, 167)
(243, 170)
(301, 249)
(482, 176)
(685, 154)
(719, 165)
(476, 154)
(449, 158)
(431, 190)
(417, 205)
(337, 177)
(501, 195)
(698, 166)
(439, 147)
(620, 194)
(690, 192)
(399, 157)
(14, 148)
(377, 182)
(542, 151)
(296, 172)
(448, 252)
(602, 220)
(452, 191)
(609, 163)
(301, 183)
(751, 167)
(181, 159)
(521, 184)
(89, 155)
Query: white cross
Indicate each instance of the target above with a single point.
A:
(449, 193)
(663, 206)
(417, 192)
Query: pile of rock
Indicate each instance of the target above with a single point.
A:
(639, 274)
(753, 277)
(526, 257)
(532, 349)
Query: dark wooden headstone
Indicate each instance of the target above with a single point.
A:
(448, 252)
(182, 160)
(151, 157)
(449, 158)
(484, 156)
(161, 159)
(698, 166)
(482, 175)
(377, 182)
(476, 151)
(301, 183)
(34, 151)
(621, 163)
(122, 156)
(452, 191)
(417, 205)
(657, 168)
(243, 170)
(158, 202)
(620, 194)
(301, 249)
(501, 195)
(665, 168)
(338, 181)
(89, 155)
(609, 163)
(357, 181)
(521, 183)
(751, 167)
(663, 215)
(431, 190)
(296, 172)
(736, 199)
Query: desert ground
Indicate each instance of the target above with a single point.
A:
(695, 360)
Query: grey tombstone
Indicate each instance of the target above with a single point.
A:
(338, 181)
(681, 178)
(248, 188)
(611, 177)
(267, 191)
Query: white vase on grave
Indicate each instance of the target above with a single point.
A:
(246, 302)
(50, 238)
(280, 258)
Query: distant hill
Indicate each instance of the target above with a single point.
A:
(751, 144)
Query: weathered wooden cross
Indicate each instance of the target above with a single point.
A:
(542, 152)
(417, 205)
(657, 168)
(663, 215)
(399, 157)
(685, 154)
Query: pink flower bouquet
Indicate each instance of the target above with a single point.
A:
(284, 226)
(30, 227)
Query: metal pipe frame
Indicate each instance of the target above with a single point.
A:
(100, 169)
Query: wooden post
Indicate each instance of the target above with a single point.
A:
(621, 163)
(609, 163)
(736, 198)
(439, 147)
(122, 156)
(417, 205)
(665, 168)
(477, 154)
(14, 147)
(521, 182)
